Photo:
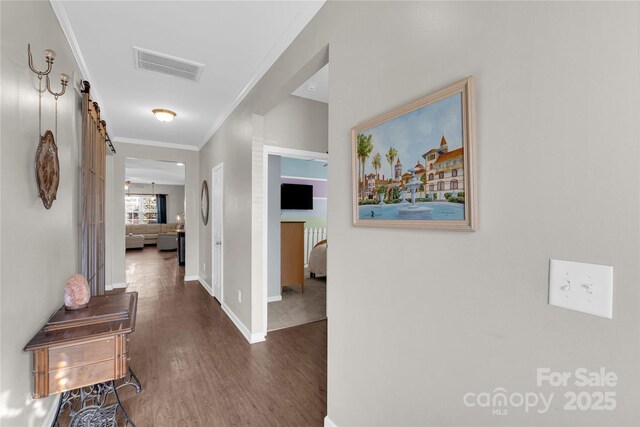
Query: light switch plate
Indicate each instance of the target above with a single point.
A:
(578, 286)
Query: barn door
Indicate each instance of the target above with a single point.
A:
(93, 192)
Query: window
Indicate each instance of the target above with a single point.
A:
(431, 187)
(454, 172)
(454, 184)
(140, 210)
(441, 185)
(440, 175)
(430, 177)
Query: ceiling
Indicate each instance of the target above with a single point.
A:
(142, 171)
(317, 87)
(236, 41)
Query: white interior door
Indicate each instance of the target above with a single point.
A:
(217, 230)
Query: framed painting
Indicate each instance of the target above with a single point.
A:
(414, 166)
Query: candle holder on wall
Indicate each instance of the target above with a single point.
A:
(46, 161)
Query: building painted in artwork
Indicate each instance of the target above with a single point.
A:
(397, 171)
(445, 171)
(370, 181)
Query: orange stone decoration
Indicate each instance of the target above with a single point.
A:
(76, 293)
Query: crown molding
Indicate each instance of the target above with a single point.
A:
(288, 36)
(156, 143)
(65, 24)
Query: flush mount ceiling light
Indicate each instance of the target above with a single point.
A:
(180, 164)
(163, 115)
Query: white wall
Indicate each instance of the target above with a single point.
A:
(192, 203)
(273, 279)
(411, 330)
(39, 247)
(175, 197)
(297, 122)
(232, 145)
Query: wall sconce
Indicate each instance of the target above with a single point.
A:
(47, 163)
(64, 80)
(49, 55)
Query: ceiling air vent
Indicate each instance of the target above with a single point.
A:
(168, 65)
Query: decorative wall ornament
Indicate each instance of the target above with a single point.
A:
(47, 169)
(414, 166)
(204, 202)
(47, 164)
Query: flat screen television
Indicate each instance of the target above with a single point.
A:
(296, 197)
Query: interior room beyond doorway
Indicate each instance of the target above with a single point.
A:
(154, 215)
(297, 222)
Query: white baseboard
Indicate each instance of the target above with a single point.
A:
(191, 278)
(112, 286)
(205, 285)
(274, 299)
(51, 413)
(328, 422)
(251, 337)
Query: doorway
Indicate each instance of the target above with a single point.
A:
(217, 230)
(154, 212)
(294, 234)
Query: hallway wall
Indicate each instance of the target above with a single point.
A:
(274, 287)
(297, 122)
(291, 122)
(412, 330)
(39, 247)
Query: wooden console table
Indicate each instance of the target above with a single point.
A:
(85, 348)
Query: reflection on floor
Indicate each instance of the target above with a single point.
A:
(197, 369)
(297, 308)
(141, 263)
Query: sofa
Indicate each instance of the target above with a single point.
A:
(150, 231)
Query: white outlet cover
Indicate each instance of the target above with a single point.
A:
(578, 286)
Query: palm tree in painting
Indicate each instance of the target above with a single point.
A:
(376, 162)
(391, 155)
(364, 146)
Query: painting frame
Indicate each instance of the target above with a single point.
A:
(466, 89)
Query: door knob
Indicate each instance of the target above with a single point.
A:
(218, 243)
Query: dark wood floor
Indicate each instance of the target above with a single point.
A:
(198, 370)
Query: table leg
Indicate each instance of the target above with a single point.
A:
(60, 402)
(126, 417)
